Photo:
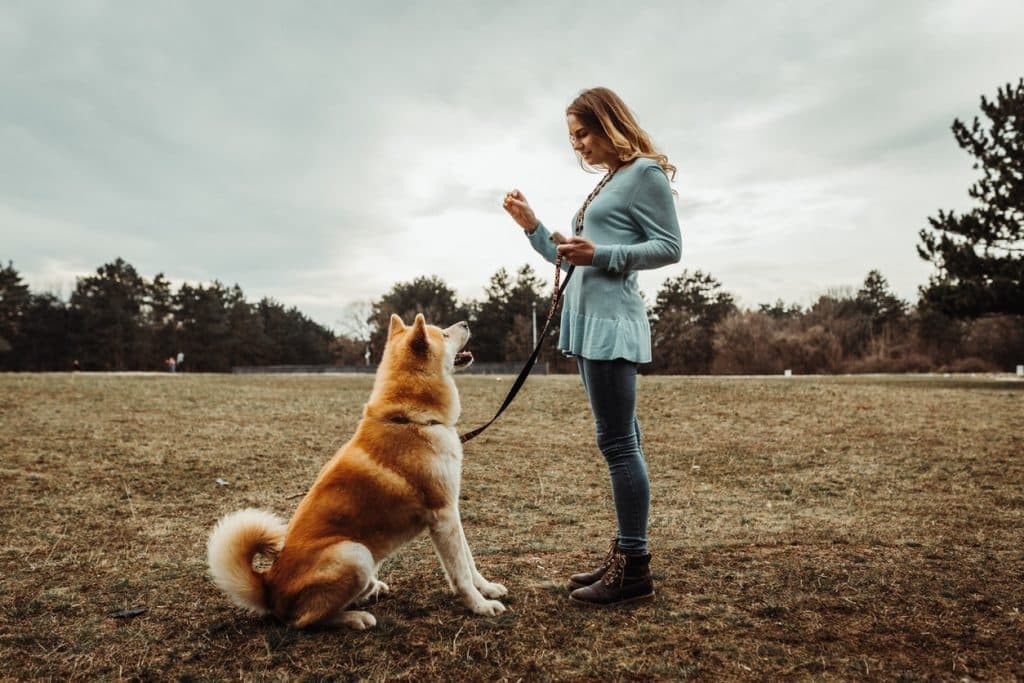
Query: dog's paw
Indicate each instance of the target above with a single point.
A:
(357, 619)
(489, 608)
(373, 593)
(492, 590)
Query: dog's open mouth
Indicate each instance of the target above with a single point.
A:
(463, 359)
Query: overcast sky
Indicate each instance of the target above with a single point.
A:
(319, 152)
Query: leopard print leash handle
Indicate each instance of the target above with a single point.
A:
(556, 293)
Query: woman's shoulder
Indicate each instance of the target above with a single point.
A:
(642, 163)
(647, 181)
(640, 166)
(643, 170)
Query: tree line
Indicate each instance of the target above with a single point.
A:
(118, 320)
(968, 317)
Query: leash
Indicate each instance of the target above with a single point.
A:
(525, 372)
(556, 297)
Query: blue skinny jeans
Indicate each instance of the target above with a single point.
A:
(611, 388)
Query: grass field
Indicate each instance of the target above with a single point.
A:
(819, 528)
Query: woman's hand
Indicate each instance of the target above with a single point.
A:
(516, 205)
(577, 251)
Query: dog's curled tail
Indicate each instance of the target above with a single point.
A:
(233, 543)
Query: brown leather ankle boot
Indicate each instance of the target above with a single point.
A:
(587, 578)
(628, 579)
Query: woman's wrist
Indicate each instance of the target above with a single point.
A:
(529, 231)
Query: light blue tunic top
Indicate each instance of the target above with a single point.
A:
(632, 221)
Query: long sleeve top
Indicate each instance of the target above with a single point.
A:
(633, 224)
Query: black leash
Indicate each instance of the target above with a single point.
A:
(525, 372)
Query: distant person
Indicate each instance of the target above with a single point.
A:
(169, 362)
(628, 223)
(179, 361)
(75, 366)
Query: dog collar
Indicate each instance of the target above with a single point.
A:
(403, 419)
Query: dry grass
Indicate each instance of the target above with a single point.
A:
(822, 528)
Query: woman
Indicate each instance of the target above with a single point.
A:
(627, 224)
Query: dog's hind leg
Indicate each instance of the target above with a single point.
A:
(374, 590)
(449, 542)
(354, 619)
(343, 572)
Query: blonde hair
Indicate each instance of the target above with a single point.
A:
(600, 109)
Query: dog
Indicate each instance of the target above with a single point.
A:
(398, 476)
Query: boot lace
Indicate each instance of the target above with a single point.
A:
(616, 571)
(610, 556)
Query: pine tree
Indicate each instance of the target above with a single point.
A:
(683, 319)
(876, 301)
(14, 298)
(427, 295)
(980, 254)
(109, 307)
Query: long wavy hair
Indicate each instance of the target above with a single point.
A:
(600, 109)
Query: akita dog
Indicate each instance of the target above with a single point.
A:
(397, 476)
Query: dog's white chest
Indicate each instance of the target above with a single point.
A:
(447, 463)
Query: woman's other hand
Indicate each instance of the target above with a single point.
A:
(516, 205)
(577, 251)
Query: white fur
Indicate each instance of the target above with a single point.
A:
(459, 568)
(447, 466)
(446, 532)
(356, 619)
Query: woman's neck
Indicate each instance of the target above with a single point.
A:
(618, 165)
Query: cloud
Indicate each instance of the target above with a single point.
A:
(318, 155)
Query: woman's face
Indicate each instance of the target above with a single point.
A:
(591, 145)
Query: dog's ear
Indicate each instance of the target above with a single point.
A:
(418, 343)
(396, 325)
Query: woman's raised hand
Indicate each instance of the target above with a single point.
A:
(516, 205)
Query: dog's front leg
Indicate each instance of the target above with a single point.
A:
(489, 589)
(449, 542)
